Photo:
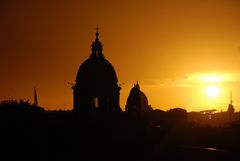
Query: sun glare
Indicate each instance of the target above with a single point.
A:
(212, 91)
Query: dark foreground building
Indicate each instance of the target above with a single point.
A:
(96, 85)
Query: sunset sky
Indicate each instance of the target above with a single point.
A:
(175, 49)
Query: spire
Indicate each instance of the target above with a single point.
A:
(231, 98)
(97, 46)
(35, 97)
(230, 106)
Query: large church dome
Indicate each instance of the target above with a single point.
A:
(97, 74)
(96, 82)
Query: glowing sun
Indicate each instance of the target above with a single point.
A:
(212, 91)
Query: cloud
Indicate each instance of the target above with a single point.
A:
(214, 77)
(192, 79)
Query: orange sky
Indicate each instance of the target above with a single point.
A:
(164, 44)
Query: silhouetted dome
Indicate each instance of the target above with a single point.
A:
(96, 73)
(135, 93)
(96, 82)
(137, 100)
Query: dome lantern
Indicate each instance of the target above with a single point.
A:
(97, 46)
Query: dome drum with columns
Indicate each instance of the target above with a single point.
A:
(96, 84)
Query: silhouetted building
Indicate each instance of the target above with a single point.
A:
(19, 106)
(137, 101)
(96, 83)
(177, 115)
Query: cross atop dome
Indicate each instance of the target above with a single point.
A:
(97, 46)
(97, 29)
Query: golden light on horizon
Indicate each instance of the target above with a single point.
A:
(213, 82)
(212, 91)
(209, 90)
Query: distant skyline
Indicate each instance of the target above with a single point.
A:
(174, 49)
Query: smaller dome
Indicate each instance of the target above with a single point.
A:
(137, 101)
